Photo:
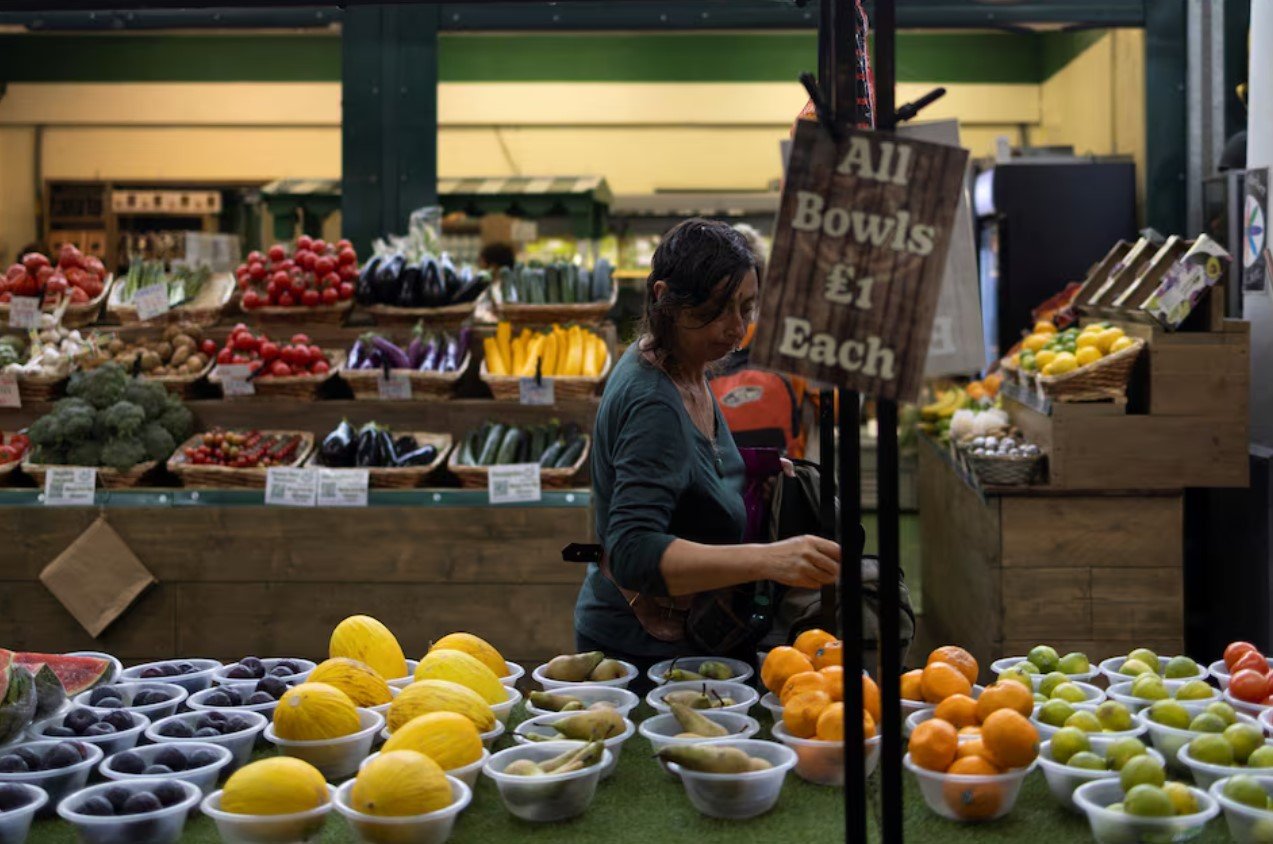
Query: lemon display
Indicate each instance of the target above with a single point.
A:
(1043, 357)
(1086, 355)
(1044, 327)
(1061, 364)
(1035, 342)
(1107, 338)
(1120, 344)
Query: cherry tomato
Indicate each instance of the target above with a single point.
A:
(320, 367)
(1248, 685)
(347, 255)
(330, 296)
(304, 242)
(277, 252)
(319, 246)
(251, 299)
(280, 370)
(1250, 660)
(225, 356)
(315, 353)
(299, 339)
(280, 279)
(347, 272)
(208, 347)
(286, 300)
(256, 270)
(311, 298)
(298, 286)
(346, 291)
(255, 255)
(324, 265)
(1235, 650)
(331, 280)
(244, 283)
(268, 351)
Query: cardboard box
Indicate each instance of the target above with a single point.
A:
(501, 228)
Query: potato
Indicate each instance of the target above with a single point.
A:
(115, 346)
(172, 331)
(180, 354)
(184, 340)
(194, 365)
(163, 348)
(149, 361)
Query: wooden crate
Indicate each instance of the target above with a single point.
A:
(1195, 373)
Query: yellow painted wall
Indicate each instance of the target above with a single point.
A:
(17, 190)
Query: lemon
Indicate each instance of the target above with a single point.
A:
(1061, 364)
(1086, 355)
(1107, 337)
(1043, 357)
(1087, 338)
(1044, 327)
(1120, 344)
(1035, 342)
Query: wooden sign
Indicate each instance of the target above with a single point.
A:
(859, 252)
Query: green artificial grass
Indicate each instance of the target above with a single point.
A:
(640, 804)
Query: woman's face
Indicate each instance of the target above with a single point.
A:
(700, 341)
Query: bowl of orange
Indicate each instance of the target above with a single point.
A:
(949, 670)
(821, 761)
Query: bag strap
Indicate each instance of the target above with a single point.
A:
(662, 618)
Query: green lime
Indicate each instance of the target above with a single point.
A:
(1149, 687)
(1114, 717)
(1067, 691)
(1261, 757)
(1027, 667)
(1194, 690)
(1212, 749)
(1141, 770)
(1245, 790)
(1085, 721)
(1244, 739)
(1181, 797)
(1038, 698)
(1134, 668)
(1055, 713)
(1122, 750)
(1051, 681)
(1115, 807)
(1222, 710)
(1087, 760)
(1148, 801)
(1016, 675)
(1146, 656)
(1179, 667)
(1169, 713)
(1074, 663)
(1045, 658)
(1207, 722)
(1067, 742)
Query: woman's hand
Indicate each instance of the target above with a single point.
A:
(807, 562)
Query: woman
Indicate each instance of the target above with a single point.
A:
(667, 477)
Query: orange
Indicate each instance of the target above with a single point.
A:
(958, 657)
(1005, 694)
(809, 641)
(973, 801)
(870, 696)
(912, 685)
(970, 748)
(868, 726)
(831, 724)
(933, 744)
(1011, 741)
(805, 681)
(828, 654)
(959, 710)
(970, 731)
(801, 712)
(835, 675)
(780, 664)
(975, 766)
(940, 680)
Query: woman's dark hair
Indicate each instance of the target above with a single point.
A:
(692, 259)
(497, 255)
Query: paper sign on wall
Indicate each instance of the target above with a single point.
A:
(514, 483)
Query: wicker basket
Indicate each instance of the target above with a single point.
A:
(106, 476)
(226, 477)
(565, 387)
(40, 388)
(204, 310)
(75, 316)
(1100, 380)
(404, 477)
(1001, 470)
(304, 387)
(447, 316)
(300, 315)
(182, 386)
(436, 386)
(590, 313)
(6, 469)
(476, 477)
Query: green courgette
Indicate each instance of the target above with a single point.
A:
(490, 447)
(570, 454)
(549, 458)
(508, 448)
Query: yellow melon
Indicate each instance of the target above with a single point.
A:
(400, 783)
(281, 785)
(314, 711)
(364, 686)
(365, 639)
(476, 647)
(448, 738)
(425, 696)
(459, 667)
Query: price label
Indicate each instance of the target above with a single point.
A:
(536, 392)
(9, 394)
(234, 379)
(151, 301)
(397, 387)
(514, 483)
(24, 312)
(70, 486)
(342, 487)
(288, 487)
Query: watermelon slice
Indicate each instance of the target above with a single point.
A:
(76, 674)
(17, 699)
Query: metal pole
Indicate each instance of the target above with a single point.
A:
(851, 618)
(826, 454)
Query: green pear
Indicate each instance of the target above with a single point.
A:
(1134, 668)
(1114, 717)
(681, 675)
(1179, 667)
(1074, 663)
(1148, 801)
(1195, 690)
(523, 768)
(608, 669)
(692, 721)
(1120, 752)
(758, 764)
(1169, 714)
(572, 760)
(1045, 658)
(1051, 681)
(715, 670)
(573, 668)
(707, 758)
(1146, 656)
(593, 725)
(553, 702)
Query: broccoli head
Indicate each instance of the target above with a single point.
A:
(150, 396)
(45, 431)
(86, 453)
(49, 455)
(123, 453)
(74, 420)
(100, 387)
(62, 405)
(159, 444)
(177, 421)
(123, 418)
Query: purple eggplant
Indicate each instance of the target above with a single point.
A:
(373, 360)
(357, 354)
(451, 355)
(432, 354)
(395, 357)
(415, 350)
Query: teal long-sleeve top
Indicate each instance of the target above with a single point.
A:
(655, 478)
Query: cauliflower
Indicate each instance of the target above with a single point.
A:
(159, 444)
(123, 418)
(150, 396)
(101, 387)
(123, 454)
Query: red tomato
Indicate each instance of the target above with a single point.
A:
(244, 283)
(8, 454)
(311, 298)
(324, 265)
(77, 276)
(27, 286)
(299, 287)
(1235, 650)
(277, 252)
(347, 272)
(286, 300)
(257, 256)
(32, 261)
(331, 280)
(78, 296)
(245, 342)
(43, 274)
(94, 287)
(69, 256)
(208, 347)
(94, 264)
(347, 255)
(20, 441)
(1250, 686)
(306, 260)
(299, 339)
(15, 272)
(256, 270)
(225, 356)
(280, 278)
(319, 246)
(330, 296)
(56, 287)
(346, 291)
(251, 299)
(304, 242)
(269, 351)
(6, 296)
(315, 353)
(320, 367)
(1250, 660)
(280, 370)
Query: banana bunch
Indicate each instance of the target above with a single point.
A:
(561, 352)
(948, 401)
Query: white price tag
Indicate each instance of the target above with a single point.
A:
(24, 312)
(234, 379)
(151, 301)
(342, 487)
(9, 394)
(70, 486)
(536, 393)
(394, 388)
(287, 487)
(513, 483)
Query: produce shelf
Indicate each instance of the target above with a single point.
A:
(580, 498)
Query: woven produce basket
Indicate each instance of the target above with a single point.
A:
(447, 316)
(204, 310)
(300, 315)
(182, 385)
(226, 477)
(1002, 470)
(437, 386)
(476, 477)
(567, 387)
(304, 387)
(75, 316)
(591, 313)
(106, 476)
(1103, 379)
(41, 388)
(7, 468)
(404, 477)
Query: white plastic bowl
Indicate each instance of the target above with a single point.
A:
(949, 794)
(112, 676)
(466, 774)
(822, 762)
(1046, 731)
(739, 796)
(430, 828)
(204, 778)
(542, 725)
(1252, 709)
(661, 731)
(742, 671)
(1118, 827)
(196, 701)
(110, 744)
(1168, 740)
(624, 701)
(1091, 694)
(193, 682)
(547, 798)
(403, 682)
(1001, 665)
(239, 744)
(297, 828)
(336, 758)
(60, 782)
(128, 691)
(503, 710)
(1247, 824)
(1063, 780)
(1204, 773)
(1221, 673)
(1109, 668)
(515, 673)
(769, 701)
(548, 684)
(162, 826)
(1122, 692)
(220, 678)
(744, 696)
(916, 718)
(16, 823)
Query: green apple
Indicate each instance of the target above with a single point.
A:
(1148, 801)
(1086, 760)
(1169, 713)
(1247, 791)
(1074, 663)
(1045, 658)
(1194, 690)
(1149, 687)
(1027, 667)
(1120, 752)
(1244, 739)
(1262, 757)
(1016, 675)
(1146, 656)
(1067, 691)
(1141, 770)
(1207, 722)
(1212, 749)
(1114, 717)
(1181, 797)
(1051, 681)
(1134, 668)
(1067, 742)
(1223, 711)
(1085, 721)
(1179, 667)
(1055, 713)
